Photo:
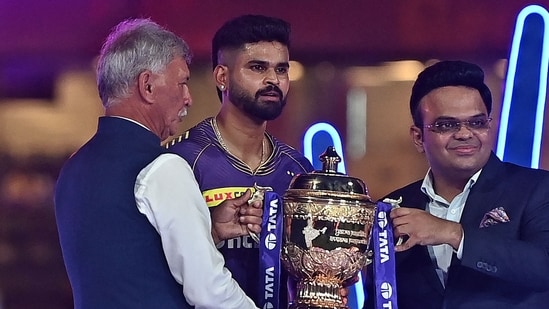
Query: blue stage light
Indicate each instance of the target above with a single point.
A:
(522, 113)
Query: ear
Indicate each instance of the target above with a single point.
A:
(417, 138)
(221, 78)
(145, 86)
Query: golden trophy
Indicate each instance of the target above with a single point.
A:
(328, 219)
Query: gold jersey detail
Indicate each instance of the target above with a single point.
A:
(177, 139)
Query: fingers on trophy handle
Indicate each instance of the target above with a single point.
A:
(254, 236)
(395, 204)
(258, 195)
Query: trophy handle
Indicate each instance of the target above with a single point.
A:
(258, 195)
(395, 204)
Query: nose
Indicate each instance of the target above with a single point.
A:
(187, 98)
(464, 131)
(271, 77)
(189, 101)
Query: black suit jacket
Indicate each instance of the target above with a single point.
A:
(505, 265)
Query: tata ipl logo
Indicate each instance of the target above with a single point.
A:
(386, 293)
(383, 249)
(270, 239)
(271, 244)
(269, 288)
(382, 254)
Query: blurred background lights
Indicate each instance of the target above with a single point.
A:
(296, 71)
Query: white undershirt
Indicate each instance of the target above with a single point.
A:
(167, 193)
(439, 207)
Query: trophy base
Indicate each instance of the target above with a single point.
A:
(319, 293)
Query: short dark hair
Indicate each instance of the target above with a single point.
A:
(448, 73)
(237, 32)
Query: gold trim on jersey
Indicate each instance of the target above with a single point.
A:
(177, 139)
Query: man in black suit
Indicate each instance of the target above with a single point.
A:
(476, 228)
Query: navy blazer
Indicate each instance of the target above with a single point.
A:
(113, 255)
(505, 265)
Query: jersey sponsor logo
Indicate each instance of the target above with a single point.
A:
(214, 197)
(238, 243)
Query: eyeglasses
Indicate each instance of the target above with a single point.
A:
(454, 125)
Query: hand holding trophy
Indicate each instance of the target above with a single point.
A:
(258, 195)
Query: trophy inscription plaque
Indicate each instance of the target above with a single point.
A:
(328, 218)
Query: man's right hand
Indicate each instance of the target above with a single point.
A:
(423, 229)
(234, 217)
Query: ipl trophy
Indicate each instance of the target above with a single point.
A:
(328, 218)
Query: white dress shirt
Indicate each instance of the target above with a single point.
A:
(167, 193)
(439, 207)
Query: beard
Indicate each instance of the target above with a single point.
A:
(252, 105)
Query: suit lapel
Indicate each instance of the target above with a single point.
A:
(484, 194)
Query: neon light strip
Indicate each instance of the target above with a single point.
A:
(359, 291)
(509, 84)
(308, 142)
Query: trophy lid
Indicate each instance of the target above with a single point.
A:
(329, 179)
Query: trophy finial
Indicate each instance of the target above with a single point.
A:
(329, 160)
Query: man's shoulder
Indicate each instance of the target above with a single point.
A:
(290, 153)
(495, 168)
(409, 193)
(192, 141)
(411, 187)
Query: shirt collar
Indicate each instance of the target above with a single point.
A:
(429, 190)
